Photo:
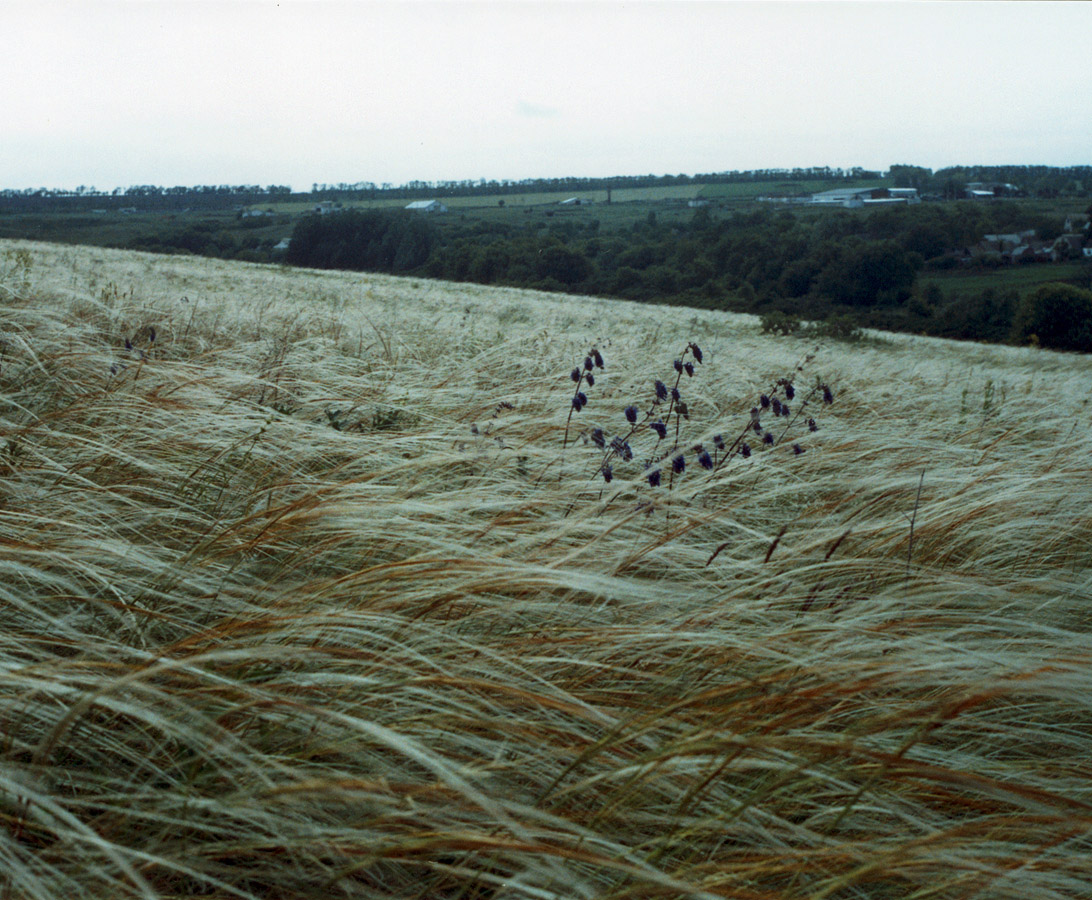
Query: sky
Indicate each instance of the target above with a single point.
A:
(112, 94)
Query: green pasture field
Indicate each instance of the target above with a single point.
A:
(751, 190)
(539, 198)
(1021, 278)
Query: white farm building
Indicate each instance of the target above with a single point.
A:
(427, 206)
(854, 198)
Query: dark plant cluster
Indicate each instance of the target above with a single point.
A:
(657, 424)
(582, 376)
(146, 336)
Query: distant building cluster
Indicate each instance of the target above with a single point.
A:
(1025, 247)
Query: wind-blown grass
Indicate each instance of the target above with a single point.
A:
(277, 622)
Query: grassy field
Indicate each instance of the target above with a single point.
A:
(1021, 279)
(535, 198)
(311, 587)
(751, 190)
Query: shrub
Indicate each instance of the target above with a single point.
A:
(777, 322)
(1057, 316)
(840, 328)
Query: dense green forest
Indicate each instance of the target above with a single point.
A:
(867, 268)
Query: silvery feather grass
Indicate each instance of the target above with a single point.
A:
(292, 605)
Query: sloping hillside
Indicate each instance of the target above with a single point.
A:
(311, 585)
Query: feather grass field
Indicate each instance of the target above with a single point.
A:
(305, 592)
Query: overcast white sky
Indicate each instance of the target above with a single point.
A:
(295, 92)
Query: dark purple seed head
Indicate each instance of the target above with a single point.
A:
(797, 449)
(598, 357)
(765, 401)
(689, 367)
(607, 474)
(590, 379)
(654, 478)
(706, 460)
(776, 404)
(598, 438)
(617, 444)
(631, 414)
(754, 413)
(589, 363)
(582, 397)
(679, 463)
(696, 350)
(828, 397)
(790, 392)
(661, 390)
(745, 450)
(660, 428)
(578, 404)
(627, 451)
(678, 365)
(718, 441)
(812, 426)
(767, 438)
(785, 411)
(757, 426)
(575, 374)
(675, 395)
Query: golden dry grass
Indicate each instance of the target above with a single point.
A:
(275, 622)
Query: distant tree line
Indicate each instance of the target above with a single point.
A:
(1032, 181)
(418, 190)
(147, 196)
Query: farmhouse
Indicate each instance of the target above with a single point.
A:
(427, 206)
